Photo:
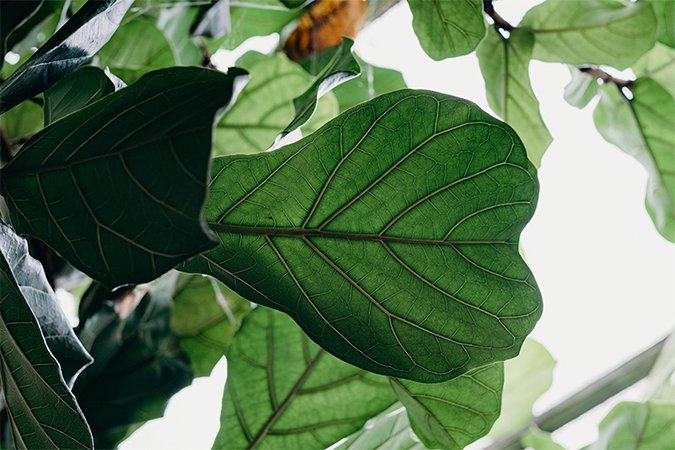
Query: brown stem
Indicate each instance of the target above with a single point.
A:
(605, 77)
(498, 20)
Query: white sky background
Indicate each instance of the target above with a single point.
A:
(607, 276)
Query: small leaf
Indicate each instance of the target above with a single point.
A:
(342, 67)
(206, 314)
(642, 127)
(137, 367)
(264, 106)
(505, 67)
(526, 378)
(447, 28)
(391, 231)
(75, 42)
(581, 89)
(638, 426)
(388, 431)
(611, 32)
(453, 414)
(117, 188)
(373, 81)
(54, 325)
(137, 48)
(42, 411)
(313, 399)
(665, 15)
(75, 91)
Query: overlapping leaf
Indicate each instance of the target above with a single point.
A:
(659, 65)
(447, 28)
(581, 89)
(665, 14)
(283, 391)
(42, 411)
(453, 414)
(642, 127)
(388, 431)
(504, 64)
(390, 235)
(75, 42)
(373, 81)
(117, 188)
(206, 314)
(609, 32)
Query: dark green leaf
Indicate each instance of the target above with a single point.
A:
(75, 91)
(56, 329)
(75, 42)
(42, 411)
(137, 48)
(447, 28)
(206, 314)
(453, 414)
(505, 67)
(18, 18)
(342, 67)
(117, 188)
(637, 426)
(313, 399)
(526, 378)
(390, 235)
(373, 81)
(264, 106)
(643, 128)
(611, 32)
(137, 366)
(388, 431)
(581, 89)
(665, 15)
(295, 3)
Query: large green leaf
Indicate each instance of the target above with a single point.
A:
(54, 325)
(373, 81)
(611, 32)
(263, 108)
(665, 13)
(658, 64)
(137, 48)
(390, 235)
(75, 91)
(75, 42)
(283, 391)
(117, 188)
(137, 366)
(505, 67)
(206, 314)
(388, 431)
(643, 128)
(526, 378)
(581, 89)
(342, 67)
(42, 411)
(637, 426)
(453, 414)
(447, 28)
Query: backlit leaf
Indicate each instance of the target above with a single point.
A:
(388, 431)
(390, 235)
(581, 89)
(611, 32)
(505, 64)
(659, 65)
(665, 14)
(373, 81)
(117, 188)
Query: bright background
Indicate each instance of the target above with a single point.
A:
(607, 276)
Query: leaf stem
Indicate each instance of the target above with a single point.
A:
(498, 20)
(605, 77)
(579, 403)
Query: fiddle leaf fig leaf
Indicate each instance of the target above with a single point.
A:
(581, 89)
(639, 426)
(342, 67)
(42, 410)
(77, 90)
(314, 399)
(120, 196)
(453, 414)
(264, 106)
(642, 127)
(388, 431)
(665, 15)
(206, 314)
(70, 47)
(54, 325)
(659, 65)
(611, 32)
(447, 28)
(505, 67)
(391, 231)
(373, 81)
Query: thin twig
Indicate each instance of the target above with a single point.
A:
(605, 77)
(498, 20)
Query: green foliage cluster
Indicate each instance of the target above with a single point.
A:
(368, 271)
